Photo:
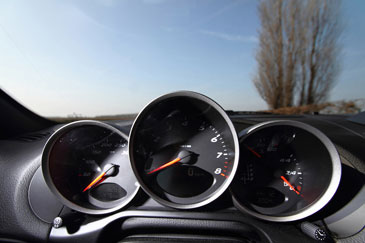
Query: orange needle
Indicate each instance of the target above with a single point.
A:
(102, 176)
(97, 179)
(290, 185)
(254, 152)
(165, 165)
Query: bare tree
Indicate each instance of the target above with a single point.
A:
(298, 51)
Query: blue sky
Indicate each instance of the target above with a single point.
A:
(112, 57)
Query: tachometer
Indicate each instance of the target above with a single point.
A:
(288, 170)
(184, 150)
(86, 165)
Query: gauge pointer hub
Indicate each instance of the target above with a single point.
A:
(187, 157)
(183, 157)
(109, 170)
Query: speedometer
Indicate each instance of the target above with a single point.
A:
(288, 170)
(86, 166)
(184, 150)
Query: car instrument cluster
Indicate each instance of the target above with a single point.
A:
(184, 152)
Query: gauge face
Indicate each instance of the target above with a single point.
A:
(86, 166)
(184, 150)
(286, 171)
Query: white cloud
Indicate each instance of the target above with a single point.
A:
(230, 37)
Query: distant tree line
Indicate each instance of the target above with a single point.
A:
(299, 52)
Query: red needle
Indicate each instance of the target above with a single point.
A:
(254, 152)
(165, 165)
(110, 169)
(97, 179)
(290, 185)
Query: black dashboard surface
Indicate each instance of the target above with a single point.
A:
(145, 220)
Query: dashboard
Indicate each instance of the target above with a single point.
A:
(185, 170)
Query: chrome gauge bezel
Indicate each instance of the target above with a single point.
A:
(222, 113)
(329, 192)
(47, 175)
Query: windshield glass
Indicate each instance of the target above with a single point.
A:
(109, 57)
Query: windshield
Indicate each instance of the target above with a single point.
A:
(109, 57)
